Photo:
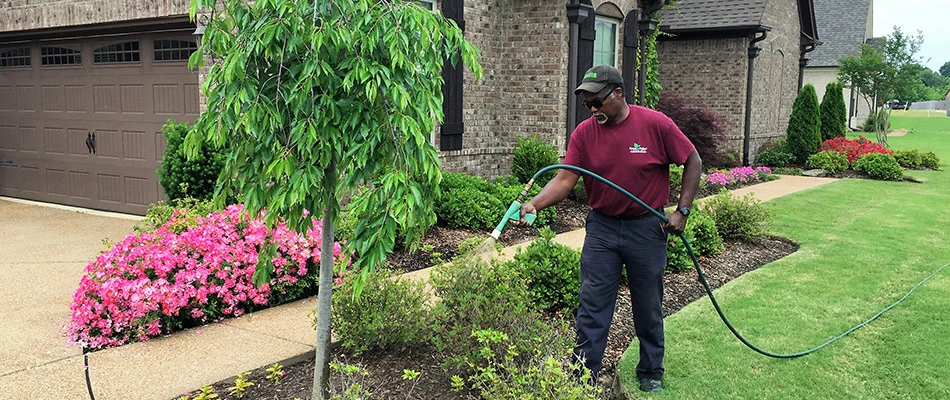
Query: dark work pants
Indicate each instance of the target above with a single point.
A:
(610, 244)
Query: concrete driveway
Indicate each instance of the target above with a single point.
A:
(43, 251)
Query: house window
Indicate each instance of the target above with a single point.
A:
(605, 44)
(60, 56)
(127, 52)
(15, 58)
(427, 4)
(174, 50)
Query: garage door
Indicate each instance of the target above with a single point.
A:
(81, 119)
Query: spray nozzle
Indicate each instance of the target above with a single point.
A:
(513, 214)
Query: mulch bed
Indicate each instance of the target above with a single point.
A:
(385, 379)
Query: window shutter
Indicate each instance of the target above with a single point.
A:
(630, 49)
(585, 60)
(452, 126)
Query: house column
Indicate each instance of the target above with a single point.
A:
(580, 15)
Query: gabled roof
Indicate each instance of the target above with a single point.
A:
(843, 28)
(695, 16)
(700, 15)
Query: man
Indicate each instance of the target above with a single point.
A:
(633, 147)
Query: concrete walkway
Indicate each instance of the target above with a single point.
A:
(44, 251)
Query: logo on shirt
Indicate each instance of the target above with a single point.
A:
(637, 149)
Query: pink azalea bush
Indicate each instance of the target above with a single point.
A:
(738, 176)
(158, 282)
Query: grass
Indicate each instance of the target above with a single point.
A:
(863, 245)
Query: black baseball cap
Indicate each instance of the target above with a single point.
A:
(599, 77)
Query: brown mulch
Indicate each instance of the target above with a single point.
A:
(386, 368)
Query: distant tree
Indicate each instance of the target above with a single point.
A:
(881, 76)
(804, 125)
(945, 70)
(833, 113)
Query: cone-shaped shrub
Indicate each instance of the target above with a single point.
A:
(804, 134)
(834, 115)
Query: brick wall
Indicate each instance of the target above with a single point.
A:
(712, 71)
(776, 74)
(524, 56)
(36, 14)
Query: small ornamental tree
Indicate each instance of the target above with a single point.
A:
(804, 134)
(316, 98)
(833, 113)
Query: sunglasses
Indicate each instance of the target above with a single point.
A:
(598, 103)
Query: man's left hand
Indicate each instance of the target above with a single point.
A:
(676, 224)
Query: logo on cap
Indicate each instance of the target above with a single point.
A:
(590, 75)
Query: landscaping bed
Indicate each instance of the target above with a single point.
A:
(386, 368)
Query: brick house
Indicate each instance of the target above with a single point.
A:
(721, 51)
(85, 85)
(844, 26)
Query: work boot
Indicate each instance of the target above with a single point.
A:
(650, 385)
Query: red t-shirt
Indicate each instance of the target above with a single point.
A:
(635, 154)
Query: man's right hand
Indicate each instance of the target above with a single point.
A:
(526, 208)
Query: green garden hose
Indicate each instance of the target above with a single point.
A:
(699, 271)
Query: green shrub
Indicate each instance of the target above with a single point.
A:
(804, 125)
(548, 374)
(910, 159)
(774, 158)
(703, 237)
(831, 161)
(189, 210)
(876, 122)
(475, 295)
(471, 202)
(879, 166)
(552, 272)
(676, 177)
(181, 177)
(741, 218)
(787, 171)
(930, 160)
(530, 155)
(834, 115)
(389, 313)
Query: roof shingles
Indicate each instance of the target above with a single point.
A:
(843, 25)
(712, 14)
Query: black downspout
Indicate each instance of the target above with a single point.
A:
(753, 53)
(803, 62)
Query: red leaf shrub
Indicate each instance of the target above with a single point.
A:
(703, 127)
(854, 149)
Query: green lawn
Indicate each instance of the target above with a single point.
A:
(863, 245)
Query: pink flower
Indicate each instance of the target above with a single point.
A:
(143, 282)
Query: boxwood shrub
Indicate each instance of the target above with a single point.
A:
(181, 177)
(467, 201)
(880, 166)
(831, 161)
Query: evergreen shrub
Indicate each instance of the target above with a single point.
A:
(880, 166)
(834, 114)
(181, 177)
(391, 312)
(467, 201)
(530, 155)
(552, 272)
(738, 218)
(804, 125)
(910, 159)
(930, 160)
(831, 161)
(703, 237)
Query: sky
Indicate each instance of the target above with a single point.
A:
(931, 17)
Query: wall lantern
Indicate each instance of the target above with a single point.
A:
(202, 20)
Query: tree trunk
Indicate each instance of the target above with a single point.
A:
(321, 369)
